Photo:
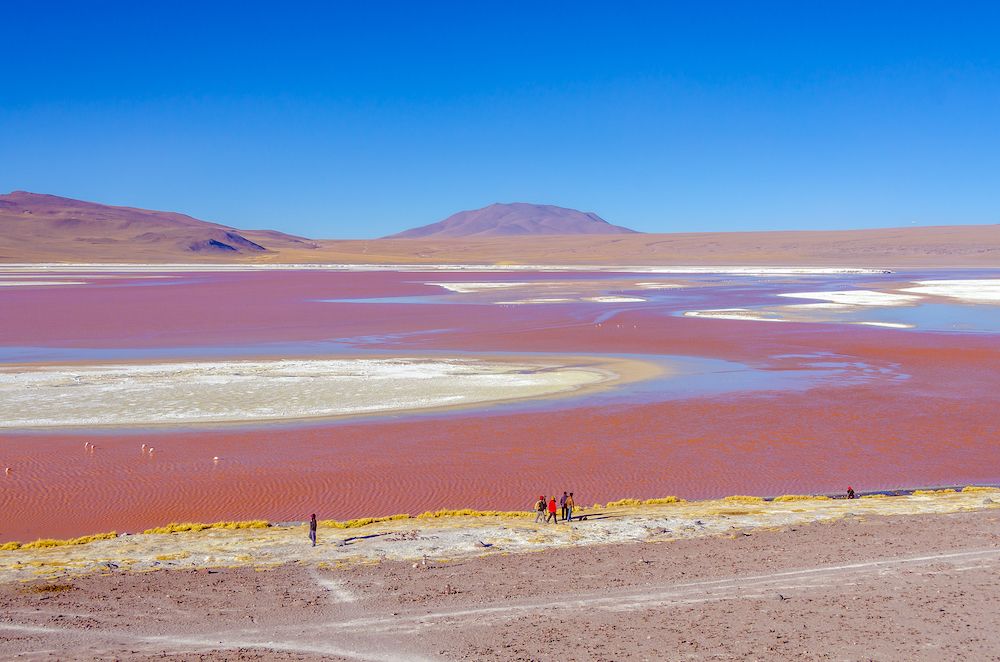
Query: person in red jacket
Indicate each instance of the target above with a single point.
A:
(552, 511)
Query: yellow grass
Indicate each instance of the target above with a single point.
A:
(932, 492)
(51, 542)
(979, 488)
(741, 498)
(875, 496)
(430, 514)
(800, 497)
(623, 502)
(662, 500)
(172, 557)
(465, 512)
(361, 521)
(178, 527)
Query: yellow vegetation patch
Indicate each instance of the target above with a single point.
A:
(623, 502)
(740, 498)
(172, 557)
(178, 527)
(466, 512)
(800, 497)
(932, 492)
(979, 488)
(875, 496)
(361, 521)
(662, 500)
(51, 542)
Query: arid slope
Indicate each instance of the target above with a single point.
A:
(36, 227)
(515, 219)
(43, 228)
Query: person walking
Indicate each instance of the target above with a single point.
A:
(562, 505)
(312, 529)
(552, 512)
(540, 510)
(570, 504)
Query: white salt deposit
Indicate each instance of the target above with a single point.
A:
(857, 297)
(613, 299)
(887, 325)
(984, 290)
(233, 391)
(733, 314)
(657, 286)
(467, 288)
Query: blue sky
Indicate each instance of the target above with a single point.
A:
(365, 118)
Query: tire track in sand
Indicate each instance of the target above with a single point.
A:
(731, 588)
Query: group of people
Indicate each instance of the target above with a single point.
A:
(547, 511)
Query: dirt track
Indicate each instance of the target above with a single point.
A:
(909, 587)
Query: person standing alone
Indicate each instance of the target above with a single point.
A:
(312, 529)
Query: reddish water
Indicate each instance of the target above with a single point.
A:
(938, 426)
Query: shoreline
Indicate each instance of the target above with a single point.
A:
(183, 267)
(447, 535)
(861, 586)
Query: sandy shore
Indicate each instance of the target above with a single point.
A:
(894, 578)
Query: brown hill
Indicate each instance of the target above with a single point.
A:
(516, 218)
(45, 228)
(36, 226)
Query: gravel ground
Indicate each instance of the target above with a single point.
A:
(918, 587)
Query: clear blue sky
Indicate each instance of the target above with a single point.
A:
(364, 118)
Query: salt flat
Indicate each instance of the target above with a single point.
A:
(267, 390)
(980, 290)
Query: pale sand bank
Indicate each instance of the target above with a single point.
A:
(451, 536)
(136, 394)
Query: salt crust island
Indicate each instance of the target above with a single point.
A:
(191, 392)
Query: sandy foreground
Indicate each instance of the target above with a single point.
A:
(911, 577)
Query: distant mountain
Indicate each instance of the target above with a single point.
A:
(516, 218)
(34, 226)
